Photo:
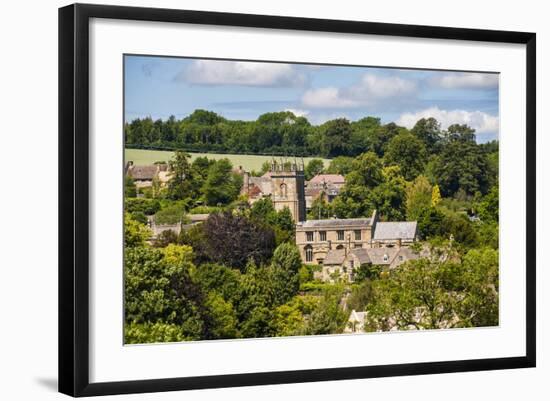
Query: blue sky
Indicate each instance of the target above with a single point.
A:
(162, 86)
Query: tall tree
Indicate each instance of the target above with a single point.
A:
(407, 152)
(419, 197)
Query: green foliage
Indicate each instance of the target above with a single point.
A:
(419, 197)
(135, 233)
(340, 165)
(434, 294)
(407, 152)
(361, 295)
(142, 205)
(180, 185)
(314, 167)
(222, 186)
(284, 273)
(335, 137)
(328, 317)
(129, 187)
(488, 207)
(157, 291)
(143, 333)
(428, 130)
(172, 214)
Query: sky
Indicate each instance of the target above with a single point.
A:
(159, 87)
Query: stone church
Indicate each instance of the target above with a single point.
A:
(284, 183)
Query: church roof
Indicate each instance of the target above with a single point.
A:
(336, 223)
(395, 230)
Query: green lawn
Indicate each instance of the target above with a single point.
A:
(248, 162)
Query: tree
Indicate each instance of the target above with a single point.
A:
(335, 137)
(340, 165)
(367, 171)
(221, 186)
(135, 234)
(419, 197)
(461, 164)
(436, 196)
(242, 239)
(285, 267)
(314, 167)
(408, 152)
(438, 292)
(180, 185)
(159, 291)
(428, 130)
(130, 190)
(328, 317)
(488, 207)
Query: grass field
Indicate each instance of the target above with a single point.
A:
(248, 162)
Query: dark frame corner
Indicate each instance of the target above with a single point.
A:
(74, 191)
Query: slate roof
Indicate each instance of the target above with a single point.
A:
(377, 255)
(143, 172)
(361, 254)
(395, 230)
(335, 257)
(335, 223)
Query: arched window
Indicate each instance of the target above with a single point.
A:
(309, 253)
(340, 246)
(283, 190)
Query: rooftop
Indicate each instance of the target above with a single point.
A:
(333, 178)
(334, 223)
(395, 230)
(143, 172)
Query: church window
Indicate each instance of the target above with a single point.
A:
(322, 235)
(340, 235)
(309, 254)
(358, 235)
(309, 236)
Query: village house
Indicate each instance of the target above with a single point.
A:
(327, 186)
(341, 264)
(144, 175)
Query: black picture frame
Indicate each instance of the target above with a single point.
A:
(74, 198)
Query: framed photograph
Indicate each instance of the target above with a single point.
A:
(250, 199)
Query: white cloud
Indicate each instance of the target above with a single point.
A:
(466, 80)
(298, 112)
(482, 122)
(368, 90)
(216, 72)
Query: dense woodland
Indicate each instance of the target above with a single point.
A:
(188, 287)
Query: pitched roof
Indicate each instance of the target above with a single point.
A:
(361, 254)
(143, 172)
(334, 223)
(335, 257)
(382, 256)
(395, 230)
(333, 178)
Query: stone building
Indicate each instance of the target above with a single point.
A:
(316, 238)
(284, 183)
(326, 186)
(342, 264)
(143, 175)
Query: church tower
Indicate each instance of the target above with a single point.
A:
(288, 188)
